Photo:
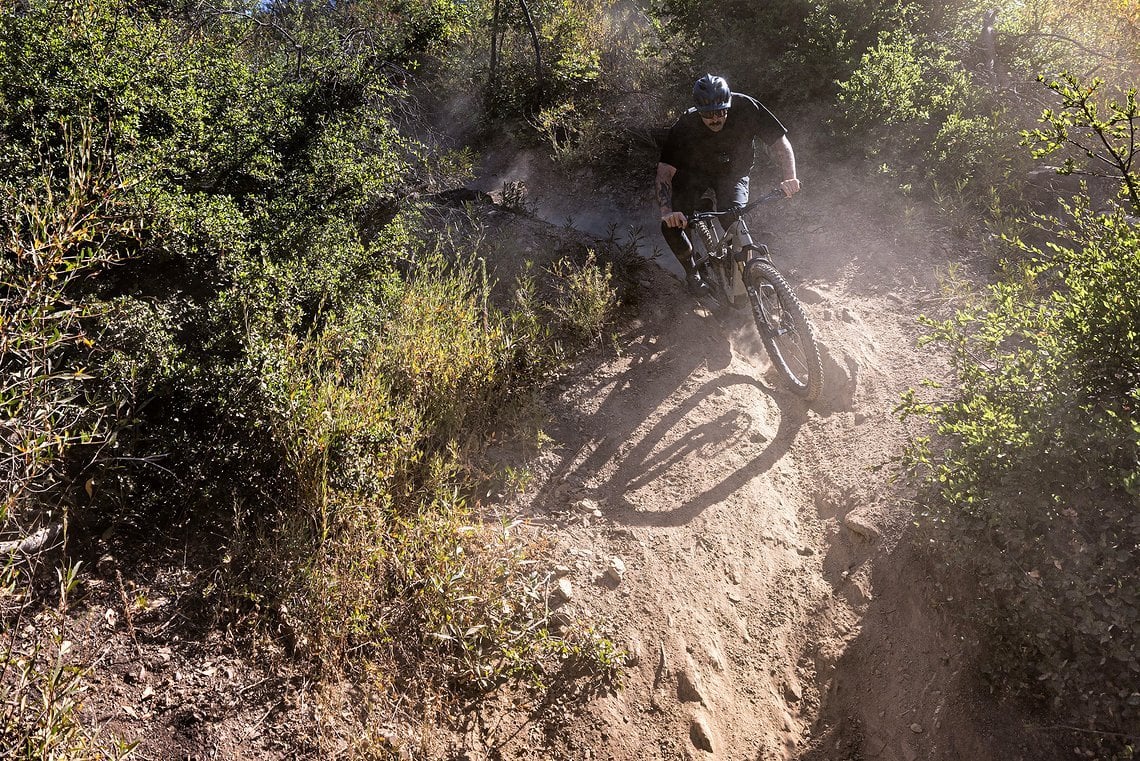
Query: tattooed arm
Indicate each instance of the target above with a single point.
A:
(785, 158)
(669, 217)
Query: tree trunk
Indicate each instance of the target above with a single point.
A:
(537, 54)
(988, 47)
(492, 74)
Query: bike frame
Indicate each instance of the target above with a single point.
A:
(781, 320)
(736, 239)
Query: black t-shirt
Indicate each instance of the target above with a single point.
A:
(693, 147)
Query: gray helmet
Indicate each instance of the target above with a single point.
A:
(711, 93)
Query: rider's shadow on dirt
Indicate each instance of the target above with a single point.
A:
(700, 452)
(670, 414)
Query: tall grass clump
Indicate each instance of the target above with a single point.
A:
(64, 221)
(586, 302)
(381, 555)
(42, 684)
(41, 705)
(60, 228)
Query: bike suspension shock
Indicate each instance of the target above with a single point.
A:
(707, 237)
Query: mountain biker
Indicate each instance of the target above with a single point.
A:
(711, 146)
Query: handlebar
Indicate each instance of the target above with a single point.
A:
(772, 195)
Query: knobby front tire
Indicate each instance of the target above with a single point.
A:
(784, 327)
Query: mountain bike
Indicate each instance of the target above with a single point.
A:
(741, 273)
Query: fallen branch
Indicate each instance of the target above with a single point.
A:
(33, 543)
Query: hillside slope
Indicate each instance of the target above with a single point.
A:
(744, 547)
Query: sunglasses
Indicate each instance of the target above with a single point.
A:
(710, 115)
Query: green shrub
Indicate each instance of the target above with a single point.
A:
(788, 53)
(586, 302)
(931, 102)
(925, 120)
(1030, 479)
(282, 330)
(1106, 146)
(567, 65)
(258, 181)
(582, 93)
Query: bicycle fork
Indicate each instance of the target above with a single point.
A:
(761, 294)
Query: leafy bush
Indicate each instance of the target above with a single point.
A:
(261, 179)
(939, 97)
(566, 64)
(925, 120)
(279, 331)
(1106, 146)
(586, 302)
(570, 75)
(752, 45)
(1031, 479)
(1098, 36)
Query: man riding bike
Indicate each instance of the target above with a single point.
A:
(711, 146)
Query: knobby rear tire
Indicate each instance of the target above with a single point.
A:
(712, 270)
(788, 335)
(719, 280)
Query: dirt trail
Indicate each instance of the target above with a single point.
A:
(739, 543)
